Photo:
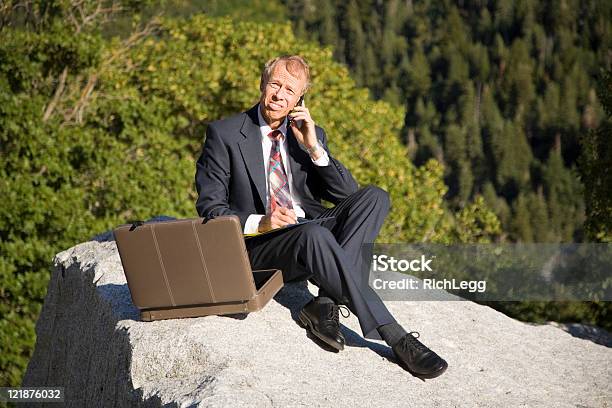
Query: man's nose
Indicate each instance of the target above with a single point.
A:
(280, 93)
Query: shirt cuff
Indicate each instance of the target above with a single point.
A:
(252, 223)
(323, 160)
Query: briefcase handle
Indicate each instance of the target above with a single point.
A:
(138, 223)
(208, 218)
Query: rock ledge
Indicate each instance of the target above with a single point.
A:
(90, 341)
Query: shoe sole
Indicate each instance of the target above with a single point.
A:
(423, 376)
(307, 324)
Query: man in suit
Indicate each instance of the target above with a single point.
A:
(271, 167)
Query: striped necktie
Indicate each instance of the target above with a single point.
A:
(277, 177)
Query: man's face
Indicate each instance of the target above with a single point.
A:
(281, 93)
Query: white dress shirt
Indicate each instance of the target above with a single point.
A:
(252, 222)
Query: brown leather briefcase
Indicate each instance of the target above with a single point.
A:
(190, 268)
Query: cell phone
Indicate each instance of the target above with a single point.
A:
(300, 102)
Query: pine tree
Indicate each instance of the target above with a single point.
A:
(595, 165)
(521, 220)
(514, 78)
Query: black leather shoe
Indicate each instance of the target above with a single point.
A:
(419, 360)
(322, 320)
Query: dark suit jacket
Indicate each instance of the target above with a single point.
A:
(230, 174)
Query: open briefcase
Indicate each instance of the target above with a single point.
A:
(192, 267)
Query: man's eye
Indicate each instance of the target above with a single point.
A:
(273, 84)
(290, 91)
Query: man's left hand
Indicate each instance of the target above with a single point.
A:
(305, 134)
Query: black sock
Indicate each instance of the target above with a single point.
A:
(391, 333)
(324, 299)
(323, 293)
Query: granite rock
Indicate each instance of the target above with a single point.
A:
(91, 341)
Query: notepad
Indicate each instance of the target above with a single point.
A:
(288, 226)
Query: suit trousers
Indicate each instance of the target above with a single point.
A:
(331, 254)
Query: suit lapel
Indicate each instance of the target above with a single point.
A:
(252, 153)
(296, 154)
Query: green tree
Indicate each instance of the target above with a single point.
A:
(595, 165)
(533, 63)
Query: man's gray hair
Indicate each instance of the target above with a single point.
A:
(295, 64)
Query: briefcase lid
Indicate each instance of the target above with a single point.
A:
(185, 262)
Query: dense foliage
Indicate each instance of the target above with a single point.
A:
(97, 131)
(596, 162)
(500, 91)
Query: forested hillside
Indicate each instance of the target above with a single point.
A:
(498, 91)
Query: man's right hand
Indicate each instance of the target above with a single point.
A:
(280, 217)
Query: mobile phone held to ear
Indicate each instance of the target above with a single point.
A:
(300, 102)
